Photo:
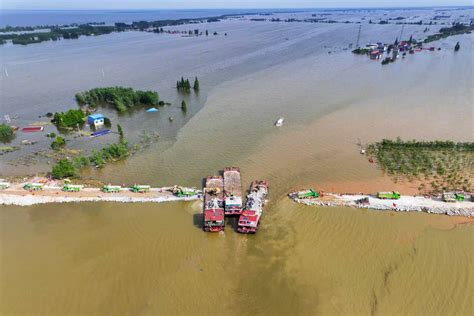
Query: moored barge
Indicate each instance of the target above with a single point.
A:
(232, 191)
(249, 220)
(213, 210)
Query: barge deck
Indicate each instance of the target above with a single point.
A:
(249, 220)
(232, 191)
(213, 208)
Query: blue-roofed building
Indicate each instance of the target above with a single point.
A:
(96, 119)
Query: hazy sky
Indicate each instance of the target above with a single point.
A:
(183, 4)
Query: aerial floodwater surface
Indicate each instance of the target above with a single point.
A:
(97, 258)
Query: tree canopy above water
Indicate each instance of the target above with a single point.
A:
(119, 97)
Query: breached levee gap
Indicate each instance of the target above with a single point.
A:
(403, 203)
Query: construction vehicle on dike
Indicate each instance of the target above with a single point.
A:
(72, 187)
(4, 185)
(453, 197)
(307, 194)
(33, 186)
(184, 192)
(388, 195)
(139, 188)
(249, 220)
(111, 188)
(213, 208)
(232, 191)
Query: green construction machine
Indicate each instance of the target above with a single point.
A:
(138, 188)
(72, 187)
(111, 188)
(184, 192)
(307, 194)
(388, 195)
(33, 186)
(453, 197)
(4, 185)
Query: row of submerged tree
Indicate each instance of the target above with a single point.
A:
(184, 85)
(38, 34)
(195, 32)
(438, 165)
(71, 167)
(455, 29)
(57, 33)
(120, 98)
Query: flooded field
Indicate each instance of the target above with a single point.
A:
(154, 259)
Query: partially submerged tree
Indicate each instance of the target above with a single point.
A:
(120, 131)
(183, 85)
(64, 169)
(6, 133)
(58, 143)
(196, 84)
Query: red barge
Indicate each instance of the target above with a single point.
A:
(213, 210)
(232, 191)
(249, 220)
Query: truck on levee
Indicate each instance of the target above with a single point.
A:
(184, 192)
(72, 187)
(33, 186)
(232, 191)
(213, 210)
(111, 188)
(4, 185)
(388, 195)
(249, 220)
(453, 197)
(139, 188)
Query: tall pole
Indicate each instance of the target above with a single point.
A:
(358, 36)
(401, 33)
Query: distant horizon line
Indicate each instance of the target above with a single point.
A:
(244, 8)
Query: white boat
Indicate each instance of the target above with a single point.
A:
(279, 122)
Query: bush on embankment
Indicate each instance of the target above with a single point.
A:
(66, 168)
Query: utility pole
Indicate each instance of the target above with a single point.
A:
(401, 33)
(358, 36)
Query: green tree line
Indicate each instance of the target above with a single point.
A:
(185, 85)
(69, 119)
(119, 97)
(438, 165)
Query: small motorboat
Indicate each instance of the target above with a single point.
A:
(31, 129)
(279, 122)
